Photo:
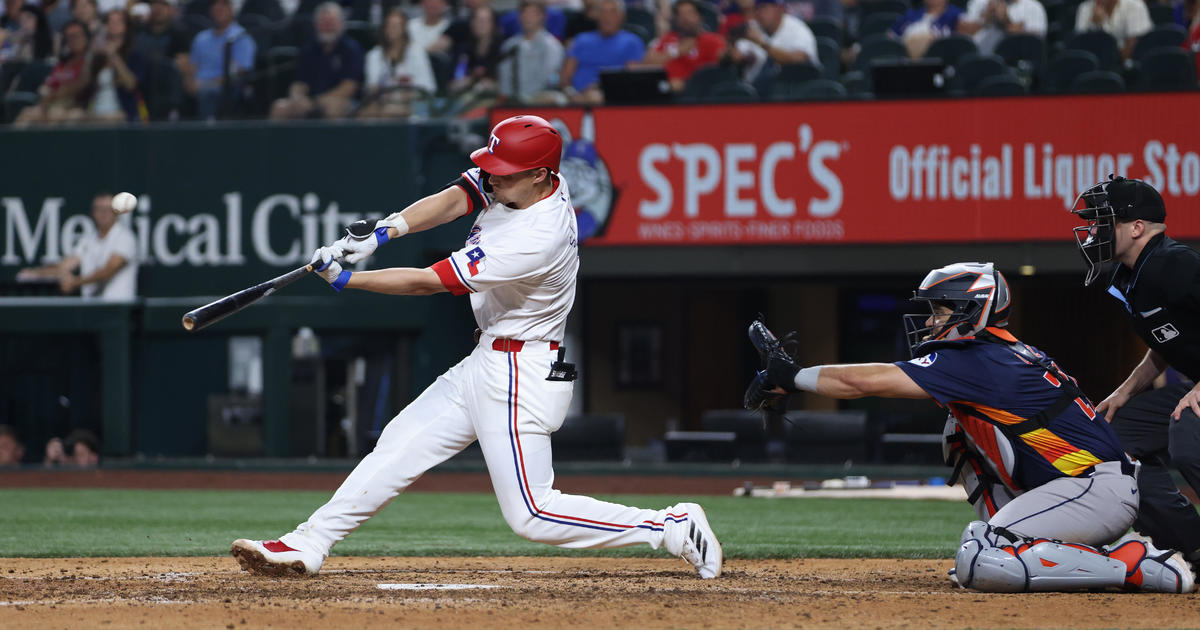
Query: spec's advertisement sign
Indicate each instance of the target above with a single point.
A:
(979, 170)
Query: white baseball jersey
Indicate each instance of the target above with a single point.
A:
(518, 265)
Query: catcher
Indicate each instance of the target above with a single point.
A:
(1049, 482)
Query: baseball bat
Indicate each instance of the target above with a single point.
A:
(214, 312)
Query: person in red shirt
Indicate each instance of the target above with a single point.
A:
(686, 47)
(65, 90)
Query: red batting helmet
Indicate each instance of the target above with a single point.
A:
(519, 144)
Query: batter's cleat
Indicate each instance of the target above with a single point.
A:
(274, 558)
(693, 539)
(1152, 570)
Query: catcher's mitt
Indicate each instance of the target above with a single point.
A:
(778, 369)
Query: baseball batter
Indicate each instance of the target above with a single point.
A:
(519, 268)
(1038, 465)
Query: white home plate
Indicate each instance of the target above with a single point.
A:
(434, 587)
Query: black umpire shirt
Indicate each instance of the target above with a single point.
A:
(1161, 293)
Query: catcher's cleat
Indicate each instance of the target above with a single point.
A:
(275, 558)
(693, 540)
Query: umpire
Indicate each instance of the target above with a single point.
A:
(1158, 283)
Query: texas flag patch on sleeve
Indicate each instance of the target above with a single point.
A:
(475, 261)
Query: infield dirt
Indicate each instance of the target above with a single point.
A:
(546, 593)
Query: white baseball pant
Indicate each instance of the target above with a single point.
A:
(504, 400)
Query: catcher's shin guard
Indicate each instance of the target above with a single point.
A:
(1150, 569)
(985, 563)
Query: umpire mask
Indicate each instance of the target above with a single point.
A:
(1095, 239)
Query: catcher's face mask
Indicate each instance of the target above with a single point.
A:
(941, 322)
(1095, 239)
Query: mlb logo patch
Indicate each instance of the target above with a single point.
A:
(475, 261)
(926, 360)
(473, 237)
(1165, 333)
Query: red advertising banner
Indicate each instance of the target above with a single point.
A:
(977, 170)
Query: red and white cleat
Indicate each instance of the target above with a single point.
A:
(274, 558)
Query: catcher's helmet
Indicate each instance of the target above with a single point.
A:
(520, 143)
(1102, 205)
(977, 295)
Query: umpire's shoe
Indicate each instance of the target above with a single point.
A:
(275, 558)
(688, 535)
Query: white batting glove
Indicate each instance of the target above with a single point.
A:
(325, 264)
(363, 237)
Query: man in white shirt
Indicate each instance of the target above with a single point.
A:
(1126, 20)
(519, 267)
(427, 28)
(784, 37)
(988, 21)
(106, 259)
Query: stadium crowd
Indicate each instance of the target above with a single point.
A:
(106, 61)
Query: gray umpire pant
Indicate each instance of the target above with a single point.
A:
(1147, 432)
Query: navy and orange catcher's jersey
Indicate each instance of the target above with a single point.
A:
(998, 396)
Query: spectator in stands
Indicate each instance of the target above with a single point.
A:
(919, 27)
(85, 12)
(1125, 20)
(808, 10)
(163, 36)
(784, 38)
(11, 448)
(106, 258)
(81, 449)
(64, 91)
(428, 29)
(328, 72)
(218, 58)
(988, 21)
(117, 70)
(32, 39)
(8, 19)
(476, 61)
(734, 13)
(397, 71)
(772, 39)
(554, 22)
(685, 47)
(607, 47)
(58, 13)
(531, 62)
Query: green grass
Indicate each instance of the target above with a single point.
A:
(66, 523)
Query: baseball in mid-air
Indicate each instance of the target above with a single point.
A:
(123, 202)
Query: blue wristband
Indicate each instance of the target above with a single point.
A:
(341, 281)
(381, 235)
